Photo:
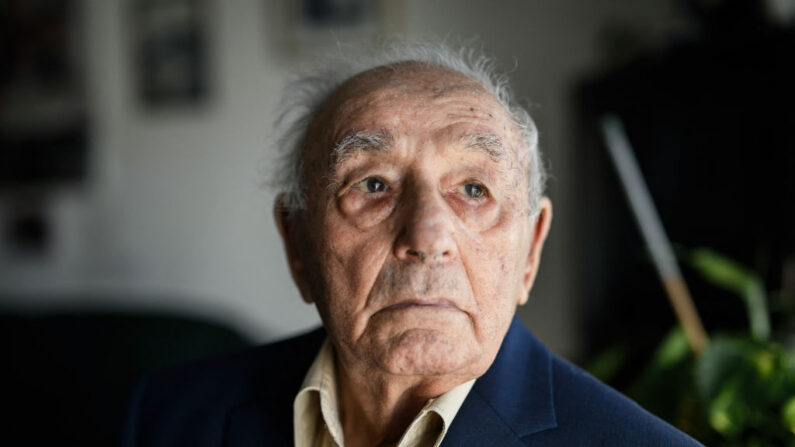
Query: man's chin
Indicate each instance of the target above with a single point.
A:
(426, 352)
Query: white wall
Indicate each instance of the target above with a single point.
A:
(174, 216)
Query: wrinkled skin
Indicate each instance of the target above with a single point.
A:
(416, 252)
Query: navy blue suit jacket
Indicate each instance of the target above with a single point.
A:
(528, 397)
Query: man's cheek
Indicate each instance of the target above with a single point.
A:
(496, 276)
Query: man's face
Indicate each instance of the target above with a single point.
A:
(417, 242)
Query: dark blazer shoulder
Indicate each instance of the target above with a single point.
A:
(190, 404)
(531, 397)
(589, 412)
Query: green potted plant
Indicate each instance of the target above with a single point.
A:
(740, 390)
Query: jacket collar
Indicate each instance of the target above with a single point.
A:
(513, 399)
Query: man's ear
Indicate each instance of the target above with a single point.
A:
(289, 229)
(539, 230)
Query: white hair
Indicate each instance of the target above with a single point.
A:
(303, 98)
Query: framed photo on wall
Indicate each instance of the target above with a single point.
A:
(170, 51)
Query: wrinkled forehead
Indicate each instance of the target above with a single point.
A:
(379, 98)
(404, 79)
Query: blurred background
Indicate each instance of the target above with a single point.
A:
(136, 136)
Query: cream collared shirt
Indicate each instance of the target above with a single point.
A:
(316, 418)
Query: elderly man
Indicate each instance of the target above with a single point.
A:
(412, 217)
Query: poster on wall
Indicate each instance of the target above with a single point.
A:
(317, 26)
(170, 51)
(43, 116)
(336, 13)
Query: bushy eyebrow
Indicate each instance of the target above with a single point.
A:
(359, 141)
(355, 142)
(488, 143)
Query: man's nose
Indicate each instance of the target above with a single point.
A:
(426, 233)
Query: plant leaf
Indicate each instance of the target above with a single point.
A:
(725, 273)
(609, 362)
(788, 414)
(673, 349)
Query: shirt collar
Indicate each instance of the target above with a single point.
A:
(317, 403)
(446, 406)
(319, 391)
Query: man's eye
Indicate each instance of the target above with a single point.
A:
(372, 185)
(474, 191)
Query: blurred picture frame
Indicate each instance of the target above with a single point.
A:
(170, 52)
(335, 13)
(43, 105)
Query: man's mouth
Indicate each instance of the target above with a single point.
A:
(436, 303)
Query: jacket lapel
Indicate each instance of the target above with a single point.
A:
(267, 419)
(512, 400)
